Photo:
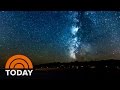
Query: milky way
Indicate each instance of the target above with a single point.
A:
(60, 36)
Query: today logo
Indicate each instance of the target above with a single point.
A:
(18, 65)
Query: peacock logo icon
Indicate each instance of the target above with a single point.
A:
(19, 65)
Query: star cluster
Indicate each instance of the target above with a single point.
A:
(60, 36)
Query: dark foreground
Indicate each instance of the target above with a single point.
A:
(102, 70)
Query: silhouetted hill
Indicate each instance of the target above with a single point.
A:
(101, 63)
(92, 70)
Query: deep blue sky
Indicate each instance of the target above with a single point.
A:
(60, 36)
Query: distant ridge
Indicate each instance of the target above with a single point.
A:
(109, 62)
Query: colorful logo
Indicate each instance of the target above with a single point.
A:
(19, 65)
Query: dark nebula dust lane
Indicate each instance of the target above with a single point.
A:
(60, 36)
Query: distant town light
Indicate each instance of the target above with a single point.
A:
(106, 66)
(82, 66)
(92, 67)
(118, 67)
(77, 67)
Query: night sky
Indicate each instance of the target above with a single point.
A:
(60, 36)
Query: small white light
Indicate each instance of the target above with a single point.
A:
(82, 66)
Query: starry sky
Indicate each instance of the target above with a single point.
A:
(60, 36)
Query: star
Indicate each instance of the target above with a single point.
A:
(60, 36)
